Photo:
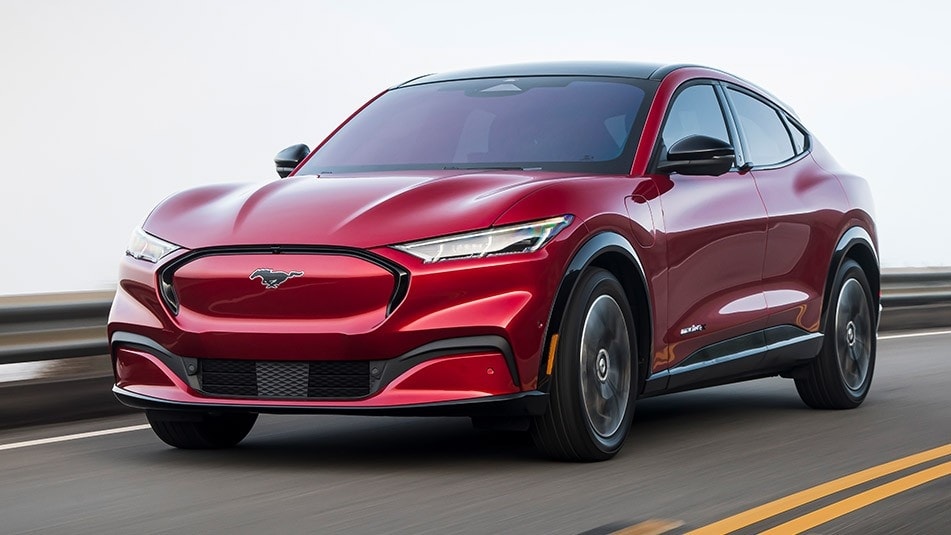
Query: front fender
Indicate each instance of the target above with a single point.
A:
(611, 251)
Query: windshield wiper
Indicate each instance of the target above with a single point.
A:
(487, 168)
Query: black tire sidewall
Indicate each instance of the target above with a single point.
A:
(849, 269)
(593, 283)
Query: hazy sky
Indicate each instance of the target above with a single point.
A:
(108, 106)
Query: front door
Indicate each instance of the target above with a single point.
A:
(715, 227)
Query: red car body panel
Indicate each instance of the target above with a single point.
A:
(733, 254)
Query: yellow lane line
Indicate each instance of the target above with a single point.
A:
(649, 527)
(768, 510)
(841, 508)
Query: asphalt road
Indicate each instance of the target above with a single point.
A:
(695, 458)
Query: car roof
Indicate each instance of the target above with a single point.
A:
(644, 71)
(618, 69)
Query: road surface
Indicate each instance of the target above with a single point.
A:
(693, 460)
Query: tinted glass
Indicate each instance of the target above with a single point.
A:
(767, 137)
(552, 123)
(695, 111)
(798, 137)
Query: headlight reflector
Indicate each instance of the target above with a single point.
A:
(145, 246)
(512, 239)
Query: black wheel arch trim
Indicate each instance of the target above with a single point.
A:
(853, 237)
(602, 243)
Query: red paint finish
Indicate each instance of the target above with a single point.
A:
(716, 240)
(804, 204)
(732, 254)
(363, 211)
(344, 293)
(140, 368)
(468, 375)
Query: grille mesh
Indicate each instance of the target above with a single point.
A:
(285, 379)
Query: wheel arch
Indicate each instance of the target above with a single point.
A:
(855, 244)
(613, 252)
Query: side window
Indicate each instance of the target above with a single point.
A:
(766, 135)
(696, 110)
(798, 137)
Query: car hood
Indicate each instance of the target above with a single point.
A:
(362, 210)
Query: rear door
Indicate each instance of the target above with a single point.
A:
(801, 201)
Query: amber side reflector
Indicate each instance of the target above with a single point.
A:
(551, 353)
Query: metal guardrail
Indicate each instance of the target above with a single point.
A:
(55, 326)
(49, 327)
(916, 298)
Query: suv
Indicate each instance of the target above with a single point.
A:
(534, 246)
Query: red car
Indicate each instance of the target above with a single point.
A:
(533, 246)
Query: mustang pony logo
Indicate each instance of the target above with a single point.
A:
(272, 279)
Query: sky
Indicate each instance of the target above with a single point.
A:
(109, 106)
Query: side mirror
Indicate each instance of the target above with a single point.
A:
(699, 155)
(287, 159)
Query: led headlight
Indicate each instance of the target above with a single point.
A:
(513, 239)
(145, 246)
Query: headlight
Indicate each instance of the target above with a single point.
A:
(522, 238)
(145, 246)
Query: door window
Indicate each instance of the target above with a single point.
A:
(766, 136)
(696, 110)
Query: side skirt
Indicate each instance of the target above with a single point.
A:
(758, 354)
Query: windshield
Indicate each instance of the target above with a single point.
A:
(581, 124)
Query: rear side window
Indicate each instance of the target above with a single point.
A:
(695, 111)
(768, 140)
(798, 137)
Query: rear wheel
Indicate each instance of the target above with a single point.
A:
(591, 401)
(839, 378)
(198, 431)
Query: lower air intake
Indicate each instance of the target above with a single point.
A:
(285, 379)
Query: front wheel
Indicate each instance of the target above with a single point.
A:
(591, 400)
(197, 431)
(839, 378)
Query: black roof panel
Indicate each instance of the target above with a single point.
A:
(563, 68)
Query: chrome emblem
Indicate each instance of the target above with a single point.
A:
(272, 279)
(692, 329)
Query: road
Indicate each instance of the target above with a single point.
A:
(693, 458)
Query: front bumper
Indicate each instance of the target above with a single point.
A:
(504, 299)
(464, 376)
(532, 403)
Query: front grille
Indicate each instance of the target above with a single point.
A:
(285, 379)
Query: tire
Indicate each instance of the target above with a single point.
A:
(839, 378)
(592, 390)
(201, 431)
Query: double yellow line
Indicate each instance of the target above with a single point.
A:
(840, 508)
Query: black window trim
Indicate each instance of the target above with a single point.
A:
(783, 118)
(739, 145)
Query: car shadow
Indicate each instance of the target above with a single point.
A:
(365, 442)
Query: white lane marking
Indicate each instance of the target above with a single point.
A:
(67, 438)
(912, 335)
